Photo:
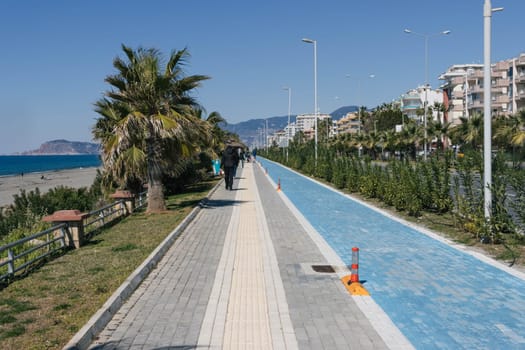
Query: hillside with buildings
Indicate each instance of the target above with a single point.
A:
(461, 95)
(252, 132)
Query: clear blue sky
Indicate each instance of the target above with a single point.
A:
(55, 54)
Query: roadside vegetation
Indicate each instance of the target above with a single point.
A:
(46, 308)
(444, 192)
(155, 137)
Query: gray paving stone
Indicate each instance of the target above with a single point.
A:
(167, 309)
(318, 304)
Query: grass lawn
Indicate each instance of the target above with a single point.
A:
(46, 308)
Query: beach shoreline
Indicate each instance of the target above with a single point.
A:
(44, 181)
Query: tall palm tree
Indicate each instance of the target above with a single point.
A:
(470, 131)
(389, 141)
(440, 108)
(411, 137)
(150, 115)
(441, 131)
(510, 131)
(218, 135)
(518, 139)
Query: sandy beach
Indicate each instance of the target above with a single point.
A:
(76, 178)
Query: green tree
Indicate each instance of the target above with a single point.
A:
(441, 131)
(148, 125)
(469, 132)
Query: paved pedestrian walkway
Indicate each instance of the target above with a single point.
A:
(240, 276)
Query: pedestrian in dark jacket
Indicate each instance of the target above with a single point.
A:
(230, 158)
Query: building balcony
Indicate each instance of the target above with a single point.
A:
(520, 95)
(502, 82)
(503, 99)
(477, 74)
(501, 66)
(475, 104)
(410, 107)
(457, 81)
(520, 78)
(476, 88)
(458, 94)
(457, 108)
(497, 90)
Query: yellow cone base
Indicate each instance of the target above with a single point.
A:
(354, 288)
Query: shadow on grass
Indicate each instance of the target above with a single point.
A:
(183, 204)
(198, 187)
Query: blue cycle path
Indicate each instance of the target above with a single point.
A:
(438, 296)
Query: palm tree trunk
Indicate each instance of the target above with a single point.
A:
(156, 202)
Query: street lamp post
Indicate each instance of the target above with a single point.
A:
(426, 36)
(311, 41)
(487, 110)
(266, 141)
(466, 94)
(289, 112)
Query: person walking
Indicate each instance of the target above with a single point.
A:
(241, 156)
(230, 159)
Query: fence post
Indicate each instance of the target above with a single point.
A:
(74, 219)
(127, 197)
(10, 262)
(63, 236)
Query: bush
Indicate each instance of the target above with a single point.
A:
(28, 208)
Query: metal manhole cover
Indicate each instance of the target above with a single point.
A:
(323, 268)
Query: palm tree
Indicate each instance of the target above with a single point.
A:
(519, 136)
(510, 131)
(389, 141)
(218, 135)
(149, 124)
(470, 131)
(442, 133)
(410, 138)
(440, 108)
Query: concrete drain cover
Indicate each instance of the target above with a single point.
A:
(323, 268)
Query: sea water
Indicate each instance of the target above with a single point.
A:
(16, 165)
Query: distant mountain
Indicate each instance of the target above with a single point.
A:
(65, 147)
(249, 131)
(342, 111)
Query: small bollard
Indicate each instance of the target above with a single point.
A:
(351, 281)
(354, 277)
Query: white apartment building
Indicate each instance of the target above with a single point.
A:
(349, 124)
(278, 138)
(290, 130)
(464, 88)
(306, 122)
(413, 101)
